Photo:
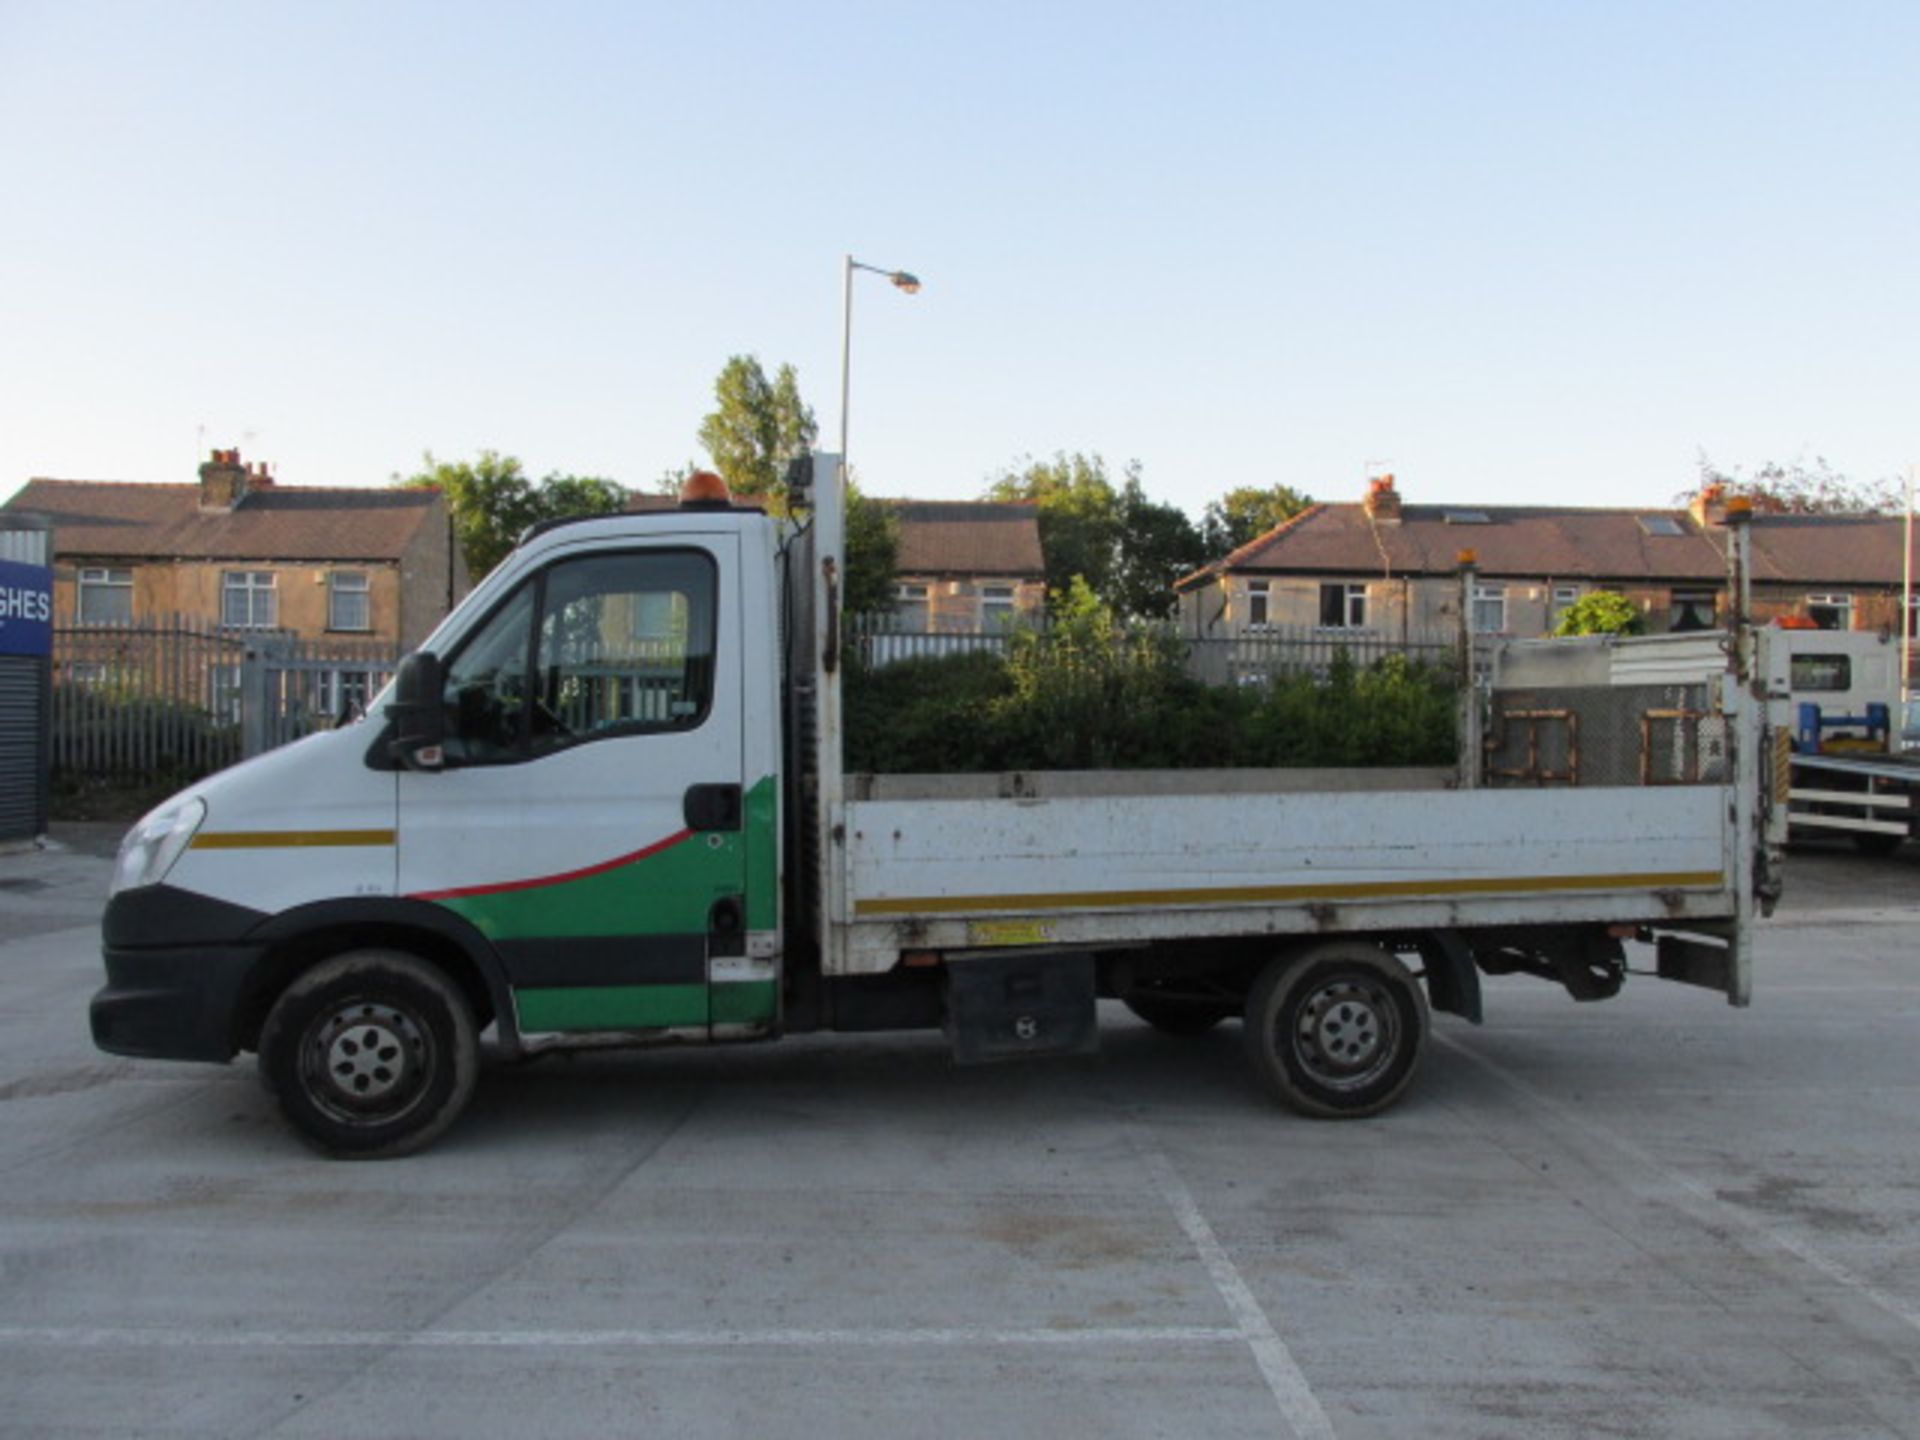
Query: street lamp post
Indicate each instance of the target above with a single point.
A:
(1906, 604)
(901, 281)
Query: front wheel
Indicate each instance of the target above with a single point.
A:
(371, 1054)
(1337, 1032)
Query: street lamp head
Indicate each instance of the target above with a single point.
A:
(901, 280)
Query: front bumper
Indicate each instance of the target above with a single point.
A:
(172, 1004)
(176, 968)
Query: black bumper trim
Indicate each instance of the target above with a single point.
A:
(174, 1003)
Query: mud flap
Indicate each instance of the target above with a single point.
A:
(1696, 962)
(1005, 1007)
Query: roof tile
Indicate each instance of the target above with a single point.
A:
(132, 520)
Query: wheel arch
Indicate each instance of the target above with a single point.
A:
(298, 939)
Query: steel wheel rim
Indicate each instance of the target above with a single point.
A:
(365, 1062)
(1346, 1033)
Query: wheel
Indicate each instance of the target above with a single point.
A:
(371, 1054)
(1871, 843)
(1177, 1017)
(1338, 1031)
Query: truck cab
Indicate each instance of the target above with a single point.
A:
(587, 853)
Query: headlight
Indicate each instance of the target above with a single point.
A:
(151, 847)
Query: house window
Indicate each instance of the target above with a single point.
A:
(247, 600)
(1830, 612)
(1258, 601)
(342, 694)
(1691, 610)
(657, 624)
(349, 603)
(103, 597)
(1490, 609)
(223, 694)
(996, 607)
(910, 606)
(1343, 607)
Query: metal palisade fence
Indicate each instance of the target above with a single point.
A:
(1272, 652)
(174, 697)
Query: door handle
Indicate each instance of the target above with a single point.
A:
(712, 807)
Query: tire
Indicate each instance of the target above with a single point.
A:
(1870, 843)
(1177, 1017)
(371, 1054)
(1337, 1032)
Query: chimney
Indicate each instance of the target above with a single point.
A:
(1709, 507)
(1382, 501)
(225, 480)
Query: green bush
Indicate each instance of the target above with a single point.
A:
(1092, 696)
(1601, 612)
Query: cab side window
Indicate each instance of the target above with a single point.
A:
(625, 644)
(486, 687)
(610, 644)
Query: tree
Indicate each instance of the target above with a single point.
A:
(492, 502)
(1600, 612)
(1080, 517)
(873, 555)
(756, 427)
(1801, 489)
(1128, 549)
(1158, 544)
(1247, 512)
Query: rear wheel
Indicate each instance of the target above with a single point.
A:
(371, 1054)
(1337, 1032)
(1178, 1017)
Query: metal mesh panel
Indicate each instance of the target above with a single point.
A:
(1605, 735)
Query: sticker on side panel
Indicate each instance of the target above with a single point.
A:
(985, 933)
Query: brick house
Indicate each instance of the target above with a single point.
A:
(1390, 568)
(967, 565)
(241, 552)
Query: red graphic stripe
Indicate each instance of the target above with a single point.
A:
(505, 886)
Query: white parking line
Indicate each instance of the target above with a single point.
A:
(1700, 1199)
(1298, 1404)
(139, 1338)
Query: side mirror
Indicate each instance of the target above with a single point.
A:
(418, 712)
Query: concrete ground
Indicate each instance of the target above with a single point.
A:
(1657, 1216)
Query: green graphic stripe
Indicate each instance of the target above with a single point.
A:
(668, 892)
(612, 1007)
(763, 856)
(741, 1004)
(643, 1007)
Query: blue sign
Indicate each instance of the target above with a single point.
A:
(26, 609)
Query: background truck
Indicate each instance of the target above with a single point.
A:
(1851, 773)
(604, 805)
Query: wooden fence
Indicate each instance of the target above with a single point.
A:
(174, 697)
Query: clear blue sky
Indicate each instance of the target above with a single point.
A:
(1514, 251)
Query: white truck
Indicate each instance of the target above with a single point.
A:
(603, 805)
(1852, 775)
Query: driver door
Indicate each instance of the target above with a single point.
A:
(589, 817)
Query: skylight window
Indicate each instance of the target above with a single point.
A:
(1468, 517)
(1662, 525)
